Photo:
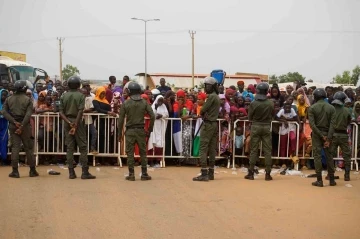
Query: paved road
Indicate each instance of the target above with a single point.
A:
(172, 206)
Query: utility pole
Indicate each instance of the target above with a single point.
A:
(61, 41)
(192, 36)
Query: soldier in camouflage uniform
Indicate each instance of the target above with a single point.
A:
(71, 108)
(134, 111)
(17, 109)
(340, 137)
(260, 114)
(322, 120)
(209, 130)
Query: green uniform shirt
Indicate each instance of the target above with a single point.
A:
(261, 111)
(322, 118)
(19, 108)
(71, 103)
(135, 112)
(211, 107)
(342, 118)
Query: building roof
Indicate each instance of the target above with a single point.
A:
(185, 80)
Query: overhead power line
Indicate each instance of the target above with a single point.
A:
(246, 31)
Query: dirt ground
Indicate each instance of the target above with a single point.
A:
(173, 206)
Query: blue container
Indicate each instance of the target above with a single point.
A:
(219, 75)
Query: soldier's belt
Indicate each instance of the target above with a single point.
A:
(340, 131)
(323, 129)
(18, 118)
(135, 127)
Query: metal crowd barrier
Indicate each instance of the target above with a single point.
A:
(50, 136)
(50, 140)
(246, 123)
(354, 133)
(177, 152)
(152, 155)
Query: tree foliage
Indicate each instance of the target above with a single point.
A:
(69, 71)
(348, 77)
(289, 77)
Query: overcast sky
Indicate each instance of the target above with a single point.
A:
(316, 38)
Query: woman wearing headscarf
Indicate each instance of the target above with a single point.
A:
(301, 91)
(41, 99)
(4, 136)
(249, 92)
(157, 137)
(275, 94)
(182, 109)
(302, 107)
(150, 96)
(224, 111)
(169, 100)
(229, 96)
(102, 105)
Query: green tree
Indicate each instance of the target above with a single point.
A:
(289, 77)
(69, 71)
(273, 79)
(348, 77)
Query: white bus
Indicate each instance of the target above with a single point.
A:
(12, 70)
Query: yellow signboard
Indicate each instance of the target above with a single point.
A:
(14, 55)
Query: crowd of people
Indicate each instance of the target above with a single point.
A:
(181, 137)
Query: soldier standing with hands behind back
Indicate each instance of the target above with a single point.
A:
(322, 120)
(72, 105)
(260, 114)
(209, 130)
(17, 110)
(340, 138)
(134, 111)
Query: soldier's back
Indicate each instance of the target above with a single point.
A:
(135, 111)
(72, 102)
(262, 110)
(18, 104)
(322, 112)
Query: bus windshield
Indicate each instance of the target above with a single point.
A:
(26, 73)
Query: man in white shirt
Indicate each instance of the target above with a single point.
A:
(287, 131)
(89, 122)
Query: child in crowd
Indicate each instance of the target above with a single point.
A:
(287, 131)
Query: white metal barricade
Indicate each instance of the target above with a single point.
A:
(354, 133)
(49, 139)
(50, 136)
(177, 151)
(246, 123)
(122, 144)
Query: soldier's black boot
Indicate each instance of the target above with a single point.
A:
(14, 173)
(33, 172)
(332, 180)
(211, 174)
(85, 173)
(204, 177)
(318, 182)
(72, 174)
(250, 175)
(268, 176)
(131, 176)
(347, 173)
(144, 175)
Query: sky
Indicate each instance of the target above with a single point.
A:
(318, 39)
